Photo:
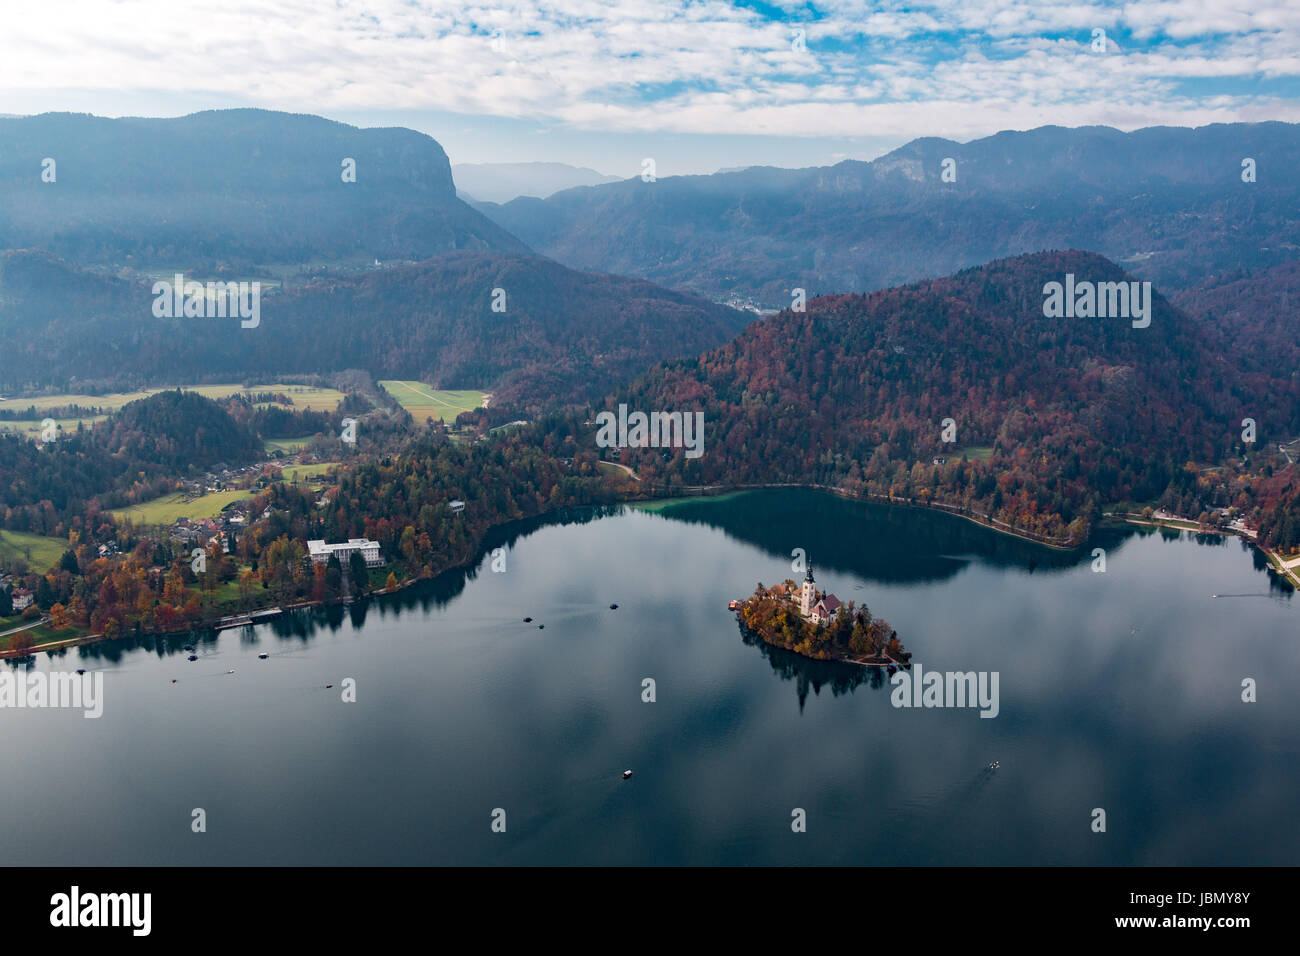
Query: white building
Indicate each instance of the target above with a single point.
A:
(818, 610)
(320, 551)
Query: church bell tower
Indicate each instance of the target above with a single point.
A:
(807, 598)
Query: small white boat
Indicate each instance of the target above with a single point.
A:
(626, 774)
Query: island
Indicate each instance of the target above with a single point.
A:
(817, 625)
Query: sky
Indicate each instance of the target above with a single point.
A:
(697, 85)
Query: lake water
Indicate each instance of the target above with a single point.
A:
(1118, 690)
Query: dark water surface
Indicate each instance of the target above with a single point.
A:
(1119, 690)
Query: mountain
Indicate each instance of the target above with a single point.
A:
(563, 335)
(502, 182)
(1053, 417)
(1168, 203)
(234, 188)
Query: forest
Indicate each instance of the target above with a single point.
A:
(959, 391)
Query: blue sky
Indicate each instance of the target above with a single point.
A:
(696, 85)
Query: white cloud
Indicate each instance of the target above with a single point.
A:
(650, 66)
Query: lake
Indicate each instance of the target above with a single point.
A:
(1119, 690)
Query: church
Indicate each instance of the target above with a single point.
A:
(818, 610)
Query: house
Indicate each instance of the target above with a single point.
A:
(320, 551)
(22, 599)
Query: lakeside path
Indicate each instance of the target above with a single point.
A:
(25, 627)
(50, 646)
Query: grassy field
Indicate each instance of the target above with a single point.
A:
(303, 397)
(168, 508)
(289, 446)
(424, 402)
(31, 427)
(975, 453)
(43, 551)
(293, 473)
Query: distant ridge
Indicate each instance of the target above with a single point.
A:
(1169, 203)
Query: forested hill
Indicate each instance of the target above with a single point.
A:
(1075, 412)
(179, 430)
(556, 335)
(1170, 203)
(233, 188)
(154, 439)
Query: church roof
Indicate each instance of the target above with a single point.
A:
(808, 576)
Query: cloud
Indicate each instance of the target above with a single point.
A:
(956, 67)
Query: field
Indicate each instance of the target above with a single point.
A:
(43, 551)
(168, 508)
(295, 473)
(304, 397)
(289, 446)
(31, 427)
(424, 402)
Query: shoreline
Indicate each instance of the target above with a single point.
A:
(984, 521)
(691, 493)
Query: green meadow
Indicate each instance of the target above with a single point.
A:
(38, 551)
(424, 402)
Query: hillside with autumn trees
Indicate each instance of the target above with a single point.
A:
(1054, 418)
(1255, 312)
(531, 331)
